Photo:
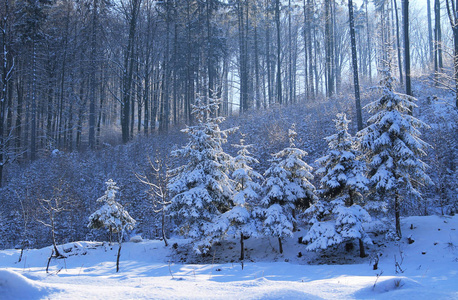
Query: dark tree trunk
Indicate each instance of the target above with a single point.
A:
(117, 257)
(397, 213)
(430, 31)
(369, 49)
(398, 37)
(280, 245)
(128, 72)
(92, 84)
(438, 65)
(405, 10)
(359, 117)
(453, 18)
(362, 251)
(277, 23)
(33, 125)
(242, 247)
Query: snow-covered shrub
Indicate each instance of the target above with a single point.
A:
(392, 147)
(287, 188)
(112, 214)
(201, 189)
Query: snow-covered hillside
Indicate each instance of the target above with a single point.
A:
(427, 269)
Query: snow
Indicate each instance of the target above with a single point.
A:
(148, 270)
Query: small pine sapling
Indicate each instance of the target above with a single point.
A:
(112, 215)
(392, 147)
(242, 216)
(336, 217)
(287, 187)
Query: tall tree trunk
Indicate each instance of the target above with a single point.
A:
(430, 31)
(438, 64)
(359, 117)
(398, 43)
(305, 33)
(280, 245)
(277, 23)
(256, 66)
(405, 10)
(93, 69)
(268, 61)
(128, 71)
(33, 126)
(310, 51)
(368, 41)
(329, 49)
(452, 10)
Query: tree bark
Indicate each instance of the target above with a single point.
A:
(430, 31)
(438, 65)
(362, 251)
(453, 18)
(354, 58)
(398, 37)
(277, 23)
(405, 11)
(242, 247)
(397, 213)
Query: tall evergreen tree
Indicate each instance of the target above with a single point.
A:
(393, 147)
(201, 189)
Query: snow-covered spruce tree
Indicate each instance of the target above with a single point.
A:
(243, 217)
(111, 215)
(392, 147)
(287, 187)
(201, 190)
(336, 217)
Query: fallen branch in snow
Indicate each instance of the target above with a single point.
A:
(376, 279)
(170, 270)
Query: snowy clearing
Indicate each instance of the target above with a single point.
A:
(429, 265)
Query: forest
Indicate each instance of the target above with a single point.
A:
(134, 92)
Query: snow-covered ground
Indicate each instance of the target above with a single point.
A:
(429, 265)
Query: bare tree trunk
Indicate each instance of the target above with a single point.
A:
(453, 18)
(277, 23)
(369, 49)
(33, 126)
(398, 43)
(280, 245)
(405, 11)
(438, 65)
(355, 66)
(92, 84)
(430, 31)
(268, 61)
(118, 256)
(128, 71)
